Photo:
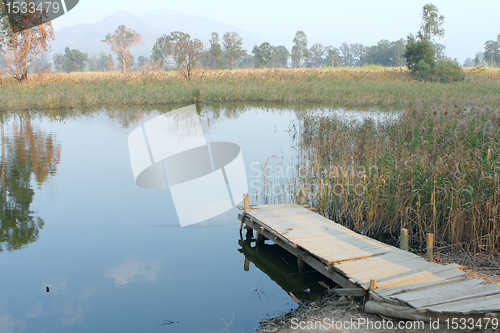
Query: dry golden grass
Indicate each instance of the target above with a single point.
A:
(352, 87)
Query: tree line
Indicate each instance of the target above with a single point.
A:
(26, 51)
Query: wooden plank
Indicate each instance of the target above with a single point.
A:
(346, 246)
(326, 246)
(275, 206)
(339, 237)
(332, 230)
(439, 278)
(403, 278)
(356, 292)
(486, 292)
(487, 303)
(451, 293)
(399, 269)
(335, 257)
(285, 221)
(314, 217)
(281, 213)
(305, 223)
(435, 292)
(406, 312)
(393, 257)
(311, 234)
(304, 234)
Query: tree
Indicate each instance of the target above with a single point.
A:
(185, 52)
(419, 50)
(20, 48)
(422, 47)
(144, 63)
(431, 23)
(40, 65)
(346, 55)
(385, 53)
(263, 55)
(469, 62)
(121, 41)
(421, 57)
(332, 57)
(215, 52)
(317, 54)
(299, 49)
(27, 155)
(232, 43)
(161, 50)
(70, 61)
(246, 61)
(98, 63)
(398, 50)
(280, 56)
(379, 54)
(492, 52)
(111, 63)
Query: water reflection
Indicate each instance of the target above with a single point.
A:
(27, 153)
(125, 273)
(281, 267)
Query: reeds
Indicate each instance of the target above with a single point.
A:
(431, 170)
(388, 88)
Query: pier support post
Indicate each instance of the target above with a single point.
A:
(373, 284)
(247, 264)
(300, 263)
(259, 239)
(246, 201)
(301, 196)
(403, 240)
(430, 247)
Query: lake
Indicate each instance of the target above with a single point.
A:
(113, 255)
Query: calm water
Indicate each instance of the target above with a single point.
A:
(113, 254)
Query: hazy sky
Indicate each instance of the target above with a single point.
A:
(468, 24)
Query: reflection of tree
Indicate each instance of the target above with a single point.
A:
(26, 154)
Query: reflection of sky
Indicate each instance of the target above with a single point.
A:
(125, 273)
(98, 235)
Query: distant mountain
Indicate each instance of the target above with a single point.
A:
(198, 27)
(87, 37)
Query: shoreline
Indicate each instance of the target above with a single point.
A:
(349, 315)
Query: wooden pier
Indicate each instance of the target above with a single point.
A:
(392, 281)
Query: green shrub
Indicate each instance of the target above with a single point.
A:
(422, 71)
(444, 71)
(447, 70)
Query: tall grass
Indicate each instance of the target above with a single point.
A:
(388, 88)
(432, 169)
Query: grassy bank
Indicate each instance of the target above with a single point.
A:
(388, 88)
(432, 170)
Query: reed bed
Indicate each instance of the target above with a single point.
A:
(431, 170)
(387, 88)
